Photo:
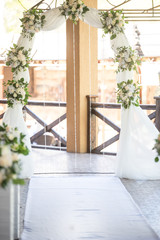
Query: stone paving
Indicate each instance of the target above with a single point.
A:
(146, 195)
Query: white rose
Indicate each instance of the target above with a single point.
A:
(11, 89)
(32, 28)
(15, 157)
(73, 9)
(65, 6)
(129, 94)
(31, 23)
(128, 60)
(127, 88)
(109, 26)
(120, 24)
(15, 64)
(14, 58)
(20, 52)
(5, 159)
(32, 17)
(15, 95)
(24, 62)
(80, 2)
(17, 85)
(10, 136)
(21, 57)
(113, 22)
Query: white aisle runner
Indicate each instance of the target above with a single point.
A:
(82, 207)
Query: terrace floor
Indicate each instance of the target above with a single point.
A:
(146, 194)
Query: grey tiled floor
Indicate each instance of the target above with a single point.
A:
(146, 194)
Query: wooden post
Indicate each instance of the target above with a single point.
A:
(82, 80)
(157, 120)
(92, 130)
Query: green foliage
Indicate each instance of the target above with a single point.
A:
(157, 148)
(113, 22)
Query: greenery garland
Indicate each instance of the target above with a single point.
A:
(11, 145)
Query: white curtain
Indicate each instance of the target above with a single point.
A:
(135, 155)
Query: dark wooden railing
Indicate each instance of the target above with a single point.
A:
(46, 127)
(92, 112)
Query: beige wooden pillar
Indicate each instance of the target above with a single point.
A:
(82, 71)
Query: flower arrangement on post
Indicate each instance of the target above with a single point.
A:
(128, 93)
(17, 91)
(73, 10)
(18, 59)
(113, 22)
(157, 148)
(127, 59)
(33, 20)
(11, 145)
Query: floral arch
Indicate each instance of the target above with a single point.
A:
(137, 131)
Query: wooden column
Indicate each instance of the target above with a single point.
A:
(82, 74)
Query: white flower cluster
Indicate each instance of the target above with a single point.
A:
(127, 59)
(17, 58)
(113, 22)
(128, 93)
(17, 91)
(11, 145)
(32, 21)
(7, 157)
(73, 9)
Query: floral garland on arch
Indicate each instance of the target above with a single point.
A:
(33, 20)
(128, 93)
(113, 22)
(127, 59)
(17, 91)
(73, 10)
(18, 59)
(11, 146)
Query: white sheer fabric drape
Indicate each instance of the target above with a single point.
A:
(14, 116)
(135, 155)
(135, 158)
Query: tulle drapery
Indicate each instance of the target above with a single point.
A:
(135, 155)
